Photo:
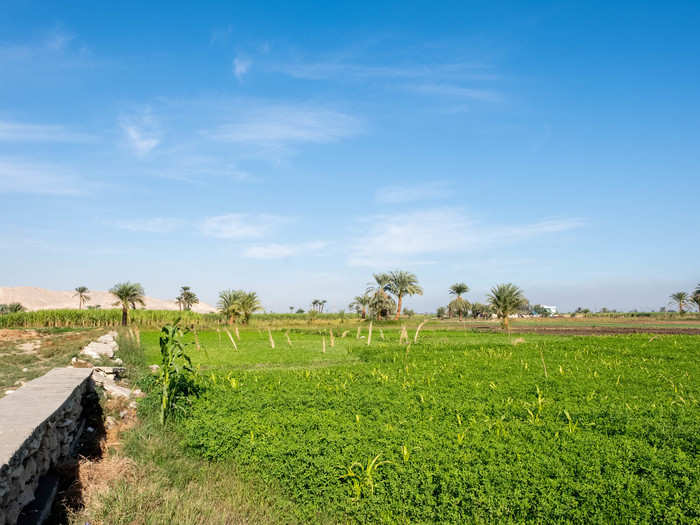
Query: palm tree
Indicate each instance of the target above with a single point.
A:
(186, 298)
(681, 298)
(238, 304)
(401, 284)
(381, 304)
(459, 305)
(249, 304)
(506, 299)
(128, 295)
(11, 308)
(315, 305)
(696, 297)
(82, 293)
(360, 304)
(228, 304)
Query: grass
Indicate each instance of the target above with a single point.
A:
(56, 347)
(457, 428)
(151, 482)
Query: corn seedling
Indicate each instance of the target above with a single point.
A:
(572, 425)
(362, 477)
(405, 453)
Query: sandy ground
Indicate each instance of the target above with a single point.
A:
(33, 298)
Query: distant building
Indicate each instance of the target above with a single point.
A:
(551, 309)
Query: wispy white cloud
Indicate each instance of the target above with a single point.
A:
(19, 176)
(457, 91)
(23, 132)
(401, 194)
(281, 124)
(237, 226)
(241, 66)
(150, 225)
(141, 132)
(415, 237)
(280, 251)
(57, 49)
(324, 69)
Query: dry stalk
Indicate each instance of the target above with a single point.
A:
(415, 337)
(231, 338)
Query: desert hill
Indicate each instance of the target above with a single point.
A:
(33, 298)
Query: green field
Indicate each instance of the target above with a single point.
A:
(476, 428)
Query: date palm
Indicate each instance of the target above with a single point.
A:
(680, 298)
(458, 304)
(228, 304)
(187, 298)
(506, 299)
(249, 303)
(129, 295)
(360, 304)
(238, 304)
(696, 297)
(81, 292)
(380, 303)
(402, 284)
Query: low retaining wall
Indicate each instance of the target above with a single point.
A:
(39, 425)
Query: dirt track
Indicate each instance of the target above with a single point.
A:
(592, 330)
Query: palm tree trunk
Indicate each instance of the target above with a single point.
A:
(125, 316)
(364, 313)
(398, 309)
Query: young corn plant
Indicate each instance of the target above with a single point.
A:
(362, 477)
(175, 368)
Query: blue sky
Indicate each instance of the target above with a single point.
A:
(296, 148)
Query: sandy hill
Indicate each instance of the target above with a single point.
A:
(33, 298)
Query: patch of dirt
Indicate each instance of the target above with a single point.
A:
(17, 335)
(591, 330)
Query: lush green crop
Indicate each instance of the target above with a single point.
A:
(459, 427)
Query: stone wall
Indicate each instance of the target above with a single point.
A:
(39, 425)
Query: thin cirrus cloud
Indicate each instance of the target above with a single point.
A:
(401, 194)
(24, 132)
(457, 92)
(141, 132)
(318, 70)
(418, 235)
(281, 251)
(240, 226)
(20, 176)
(282, 124)
(241, 66)
(150, 225)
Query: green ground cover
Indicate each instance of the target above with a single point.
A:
(473, 427)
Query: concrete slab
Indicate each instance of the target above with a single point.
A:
(31, 405)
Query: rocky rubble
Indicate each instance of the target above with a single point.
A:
(105, 346)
